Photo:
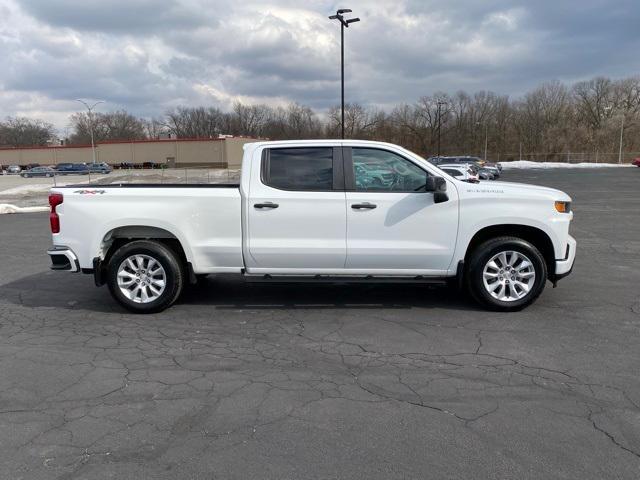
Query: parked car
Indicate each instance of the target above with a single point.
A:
(38, 172)
(98, 167)
(150, 165)
(494, 168)
(287, 221)
(462, 172)
(496, 165)
(437, 160)
(72, 169)
(486, 174)
(125, 165)
(14, 169)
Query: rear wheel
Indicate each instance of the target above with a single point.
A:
(506, 274)
(145, 276)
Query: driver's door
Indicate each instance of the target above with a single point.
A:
(393, 224)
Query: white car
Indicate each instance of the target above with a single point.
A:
(461, 171)
(304, 210)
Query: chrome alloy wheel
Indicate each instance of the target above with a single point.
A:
(509, 276)
(141, 278)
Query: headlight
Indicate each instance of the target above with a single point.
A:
(563, 207)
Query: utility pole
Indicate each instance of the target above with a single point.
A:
(343, 23)
(520, 151)
(621, 133)
(439, 104)
(90, 109)
(486, 140)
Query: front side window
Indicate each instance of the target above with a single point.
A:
(383, 171)
(300, 168)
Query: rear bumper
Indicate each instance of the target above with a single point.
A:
(564, 266)
(63, 258)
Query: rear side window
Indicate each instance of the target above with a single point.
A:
(299, 168)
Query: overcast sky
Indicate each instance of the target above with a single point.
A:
(148, 55)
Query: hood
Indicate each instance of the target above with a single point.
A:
(513, 188)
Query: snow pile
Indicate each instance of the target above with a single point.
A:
(26, 189)
(526, 164)
(8, 208)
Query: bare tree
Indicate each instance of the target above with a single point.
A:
(118, 125)
(155, 128)
(200, 122)
(359, 121)
(21, 132)
(553, 119)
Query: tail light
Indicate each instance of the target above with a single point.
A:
(55, 199)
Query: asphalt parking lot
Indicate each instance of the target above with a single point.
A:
(261, 381)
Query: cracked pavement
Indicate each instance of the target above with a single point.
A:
(240, 381)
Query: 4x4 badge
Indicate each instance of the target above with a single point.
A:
(89, 192)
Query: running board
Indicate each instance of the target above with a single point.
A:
(342, 279)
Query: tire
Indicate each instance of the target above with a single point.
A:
(501, 289)
(136, 257)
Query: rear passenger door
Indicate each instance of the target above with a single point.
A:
(296, 212)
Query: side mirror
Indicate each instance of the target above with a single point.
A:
(438, 186)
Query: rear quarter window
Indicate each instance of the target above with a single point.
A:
(299, 168)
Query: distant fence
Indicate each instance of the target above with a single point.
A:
(566, 157)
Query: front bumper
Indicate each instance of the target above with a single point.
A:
(565, 266)
(63, 258)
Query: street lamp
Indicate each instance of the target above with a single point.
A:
(343, 23)
(90, 109)
(439, 103)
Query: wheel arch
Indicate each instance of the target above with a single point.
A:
(536, 236)
(118, 236)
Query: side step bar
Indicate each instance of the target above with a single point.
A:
(343, 279)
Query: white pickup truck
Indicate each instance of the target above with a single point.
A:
(321, 210)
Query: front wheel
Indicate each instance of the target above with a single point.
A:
(506, 274)
(145, 276)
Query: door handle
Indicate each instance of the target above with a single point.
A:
(363, 206)
(265, 205)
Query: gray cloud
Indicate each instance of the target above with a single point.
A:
(146, 56)
(131, 17)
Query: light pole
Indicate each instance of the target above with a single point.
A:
(90, 109)
(439, 103)
(343, 23)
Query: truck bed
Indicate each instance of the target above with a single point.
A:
(205, 218)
